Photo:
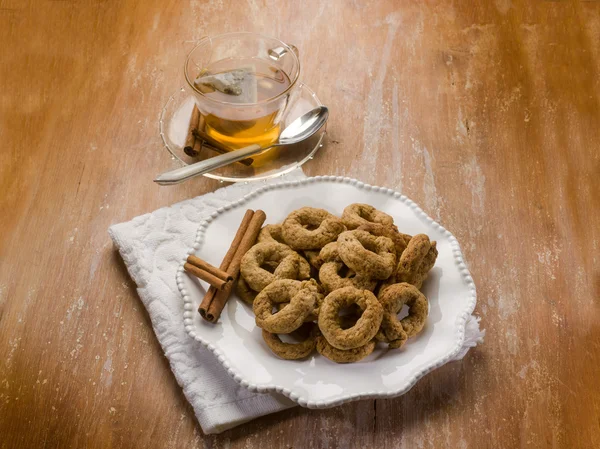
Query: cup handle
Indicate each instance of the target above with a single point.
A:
(278, 52)
(294, 49)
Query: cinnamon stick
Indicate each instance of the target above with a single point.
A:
(196, 138)
(199, 142)
(195, 150)
(221, 297)
(216, 145)
(213, 280)
(190, 138)
(210, 294)
(221, 274)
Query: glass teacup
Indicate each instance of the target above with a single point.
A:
(242, 84)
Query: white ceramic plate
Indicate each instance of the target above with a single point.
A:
(317, 382)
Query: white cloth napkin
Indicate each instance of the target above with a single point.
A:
(151, 246)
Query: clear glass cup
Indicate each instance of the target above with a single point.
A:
(173, 127)
(255, 117)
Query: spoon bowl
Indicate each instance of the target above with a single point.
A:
(304, 126)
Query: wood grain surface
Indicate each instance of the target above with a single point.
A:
(487, 114)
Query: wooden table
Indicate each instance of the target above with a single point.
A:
(486, 115)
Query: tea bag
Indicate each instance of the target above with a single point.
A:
(226, 82)
(239, 82)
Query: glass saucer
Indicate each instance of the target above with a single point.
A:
(173, 126)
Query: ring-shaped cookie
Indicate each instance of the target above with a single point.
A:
(302, 298)
(425, 268)
(314, 315)
(343, 356)
(244, 291)
(358, 214)
(312, 256)
(392, 344)
(349, 319)
(367, 255)
(393, 299)
(334, 273)
(293, 351)
(311, 228)
(416, 261)
(262, 255)
(399, 239)
(366, 326)
(271, 233)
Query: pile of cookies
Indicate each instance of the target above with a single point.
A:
(336, 284)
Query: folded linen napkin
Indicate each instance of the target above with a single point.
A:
(151, 246)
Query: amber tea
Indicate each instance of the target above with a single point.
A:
(241, 82)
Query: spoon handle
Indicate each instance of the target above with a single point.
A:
(189, 171)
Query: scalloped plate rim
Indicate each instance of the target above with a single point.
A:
(303, 401)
